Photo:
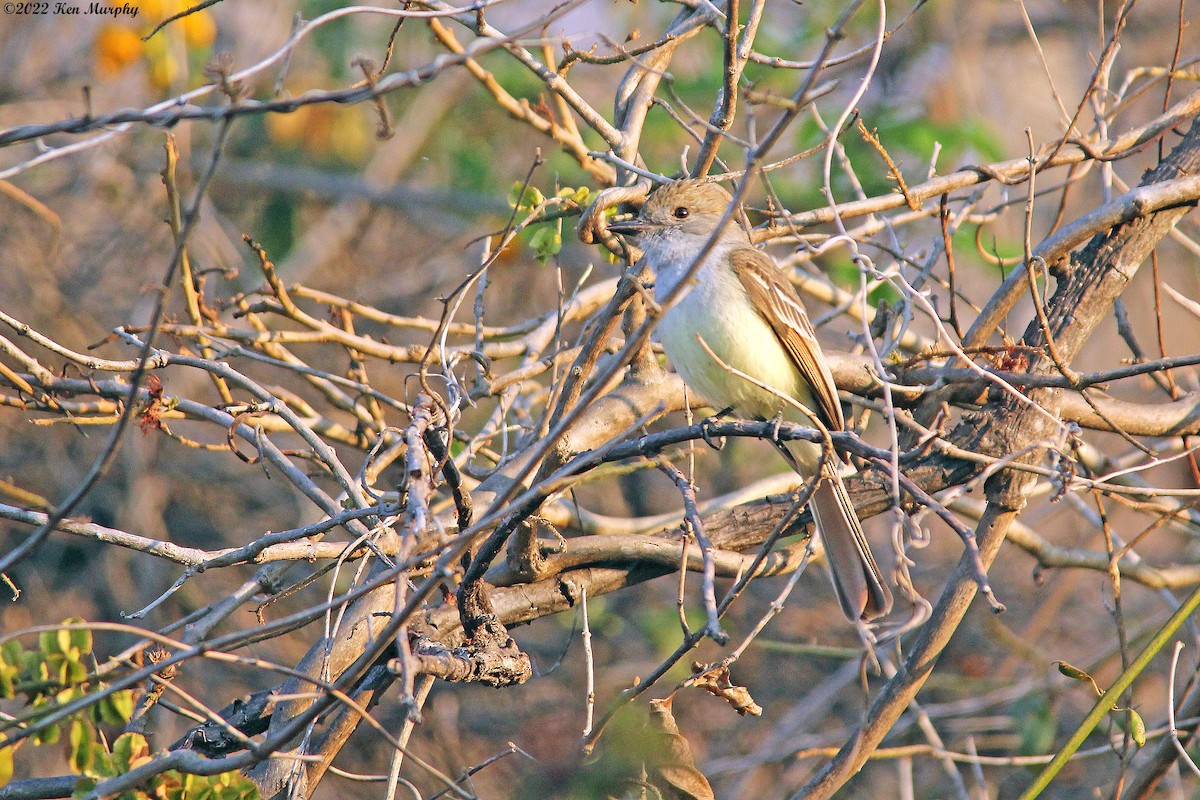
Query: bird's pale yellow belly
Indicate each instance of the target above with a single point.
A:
(742, 339)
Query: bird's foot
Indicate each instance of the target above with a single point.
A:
(776, 421)
(706, 429)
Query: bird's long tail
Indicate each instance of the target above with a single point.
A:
(856, 577)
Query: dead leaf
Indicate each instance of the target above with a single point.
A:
(715, 680)
(674, 772)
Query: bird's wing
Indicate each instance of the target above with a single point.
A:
(775, 299)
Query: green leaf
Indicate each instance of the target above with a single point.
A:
(76, 670)
(128, 751)
(69, 695)
(83, 787)
(48, 642)
(546, 243)
(235, 786)
(63, 643)
(116, 708)
(122, 753)
(82, 747)
(9, 670)
(1137, 728)
(527, 199)
(177, 786)
(578, 196)
(63, 651)
(81, 639)
(67, 668)
(1073, 672)
(10, 652)
(48, 735)
(34, 667)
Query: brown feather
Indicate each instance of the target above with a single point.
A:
(778, 303)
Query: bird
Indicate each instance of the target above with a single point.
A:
(739, 336)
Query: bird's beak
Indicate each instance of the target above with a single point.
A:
(630, 227)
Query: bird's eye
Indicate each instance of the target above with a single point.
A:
(681, 213)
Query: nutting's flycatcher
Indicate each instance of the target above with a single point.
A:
(742, 310)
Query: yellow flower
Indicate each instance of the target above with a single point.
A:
(116, 47)
(290, 130)
(155, 10)
(162, 67)
(199, 30)
(350, 136)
